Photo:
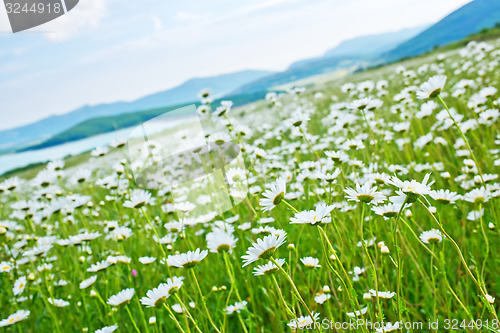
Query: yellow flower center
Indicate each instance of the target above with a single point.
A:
(365, 198)
(479, 200)
(160, 301)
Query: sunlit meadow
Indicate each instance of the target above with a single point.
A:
(373, 198)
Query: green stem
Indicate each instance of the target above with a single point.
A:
(464, 138)
(233, 287)
(462, 259)
(350, 290)
(158, 239)
(309, 143)
(203, 301)
(398, 255)
(289, 205)
(132, 318)
(365, 247)
(188, 314)
(486, 243)
(280, 295)
(173, 317)
(296, 291)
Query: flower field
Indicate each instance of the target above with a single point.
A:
(373, 199)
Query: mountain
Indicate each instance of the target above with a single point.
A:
(471, 18)
(108, 124)
(187, 92)
(350, 54)
(317, 67)
(367, 46)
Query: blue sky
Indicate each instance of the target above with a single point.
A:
(116, 50)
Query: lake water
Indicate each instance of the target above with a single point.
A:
(18, 160)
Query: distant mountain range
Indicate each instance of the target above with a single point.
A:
(349, 55)
(187, 92)
(369, 46)
(467, 20)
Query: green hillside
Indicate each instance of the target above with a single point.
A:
(469, 19)
(108, 124)
(221, 85)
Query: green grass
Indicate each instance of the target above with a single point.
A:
(430, 281)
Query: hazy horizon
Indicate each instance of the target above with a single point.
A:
(162, 45)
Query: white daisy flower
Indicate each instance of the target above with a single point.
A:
(357, 313)
(297, 119)
(384, 249)
(219, 138)
(19, 285)
(361, 104)
(99, 266)
(337, 156)
(431, 236)
(122, 297)
(14, 318)
(445, 196)
(313, 217)
(268, 268)
(204, 93)
(310, 262)
(264, 248)
(173, 284)
(382, 294)
(273, 195)
(389, 327)
(88, 282)
(387, 211)
(60, 303)
(475, 215)
(157, 296)
(322, 298)
(412, 189)
(329, 176)
(107, 329)
(5, 267)
(138, 199)
(477, 196)
(221, 241)
(237, 307)
(303, 321)
(99, 151)
(365, 193)
(179, 309)
(188, 259)
(147, 260)
(432, 87)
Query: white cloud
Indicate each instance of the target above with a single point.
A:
(188, 16)
(88, 13)
(157, 23)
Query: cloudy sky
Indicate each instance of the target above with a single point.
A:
(116, 50)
